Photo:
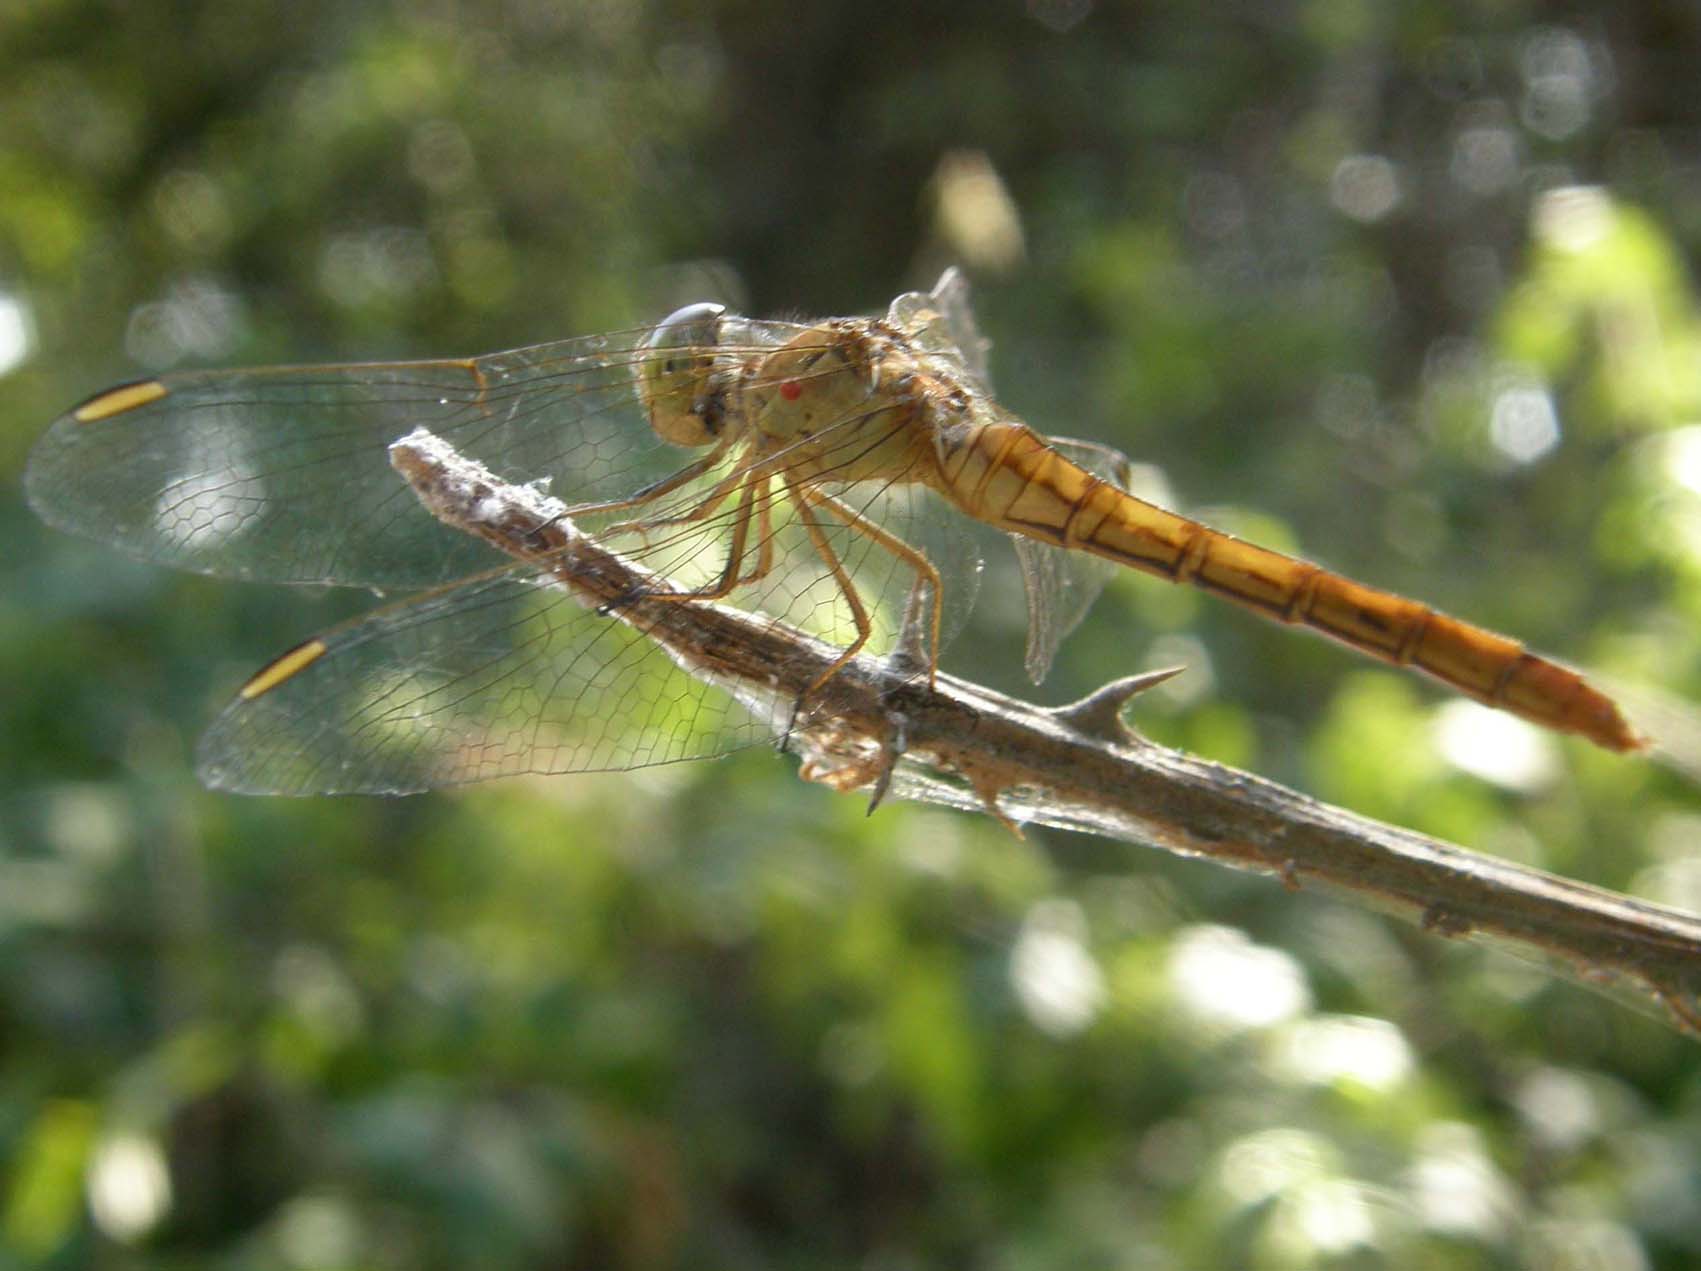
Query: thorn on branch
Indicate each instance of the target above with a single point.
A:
(1099, 714)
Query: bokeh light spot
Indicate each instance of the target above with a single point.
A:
(1054, 974)
(1495, 746)
(1220, 975)
(129, 1186)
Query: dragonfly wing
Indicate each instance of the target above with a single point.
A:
(1061, 584)
(505, 673)
(942, 322)
(498, 676)
(951, 296)
(282, 474)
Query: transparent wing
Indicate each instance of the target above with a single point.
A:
(1062, 584)
(505, 674)
(502, 674)
(495, 677)
(281, 474)
(284, 475)
(942, 322)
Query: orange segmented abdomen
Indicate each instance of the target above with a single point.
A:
(1004, 474)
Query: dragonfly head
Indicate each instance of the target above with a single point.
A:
(676, 376)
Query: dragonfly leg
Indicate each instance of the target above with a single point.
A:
(926, 574)
(730, 579)
(705, 507)
(876, 770)
(755, 505)
(755, 487)
(764, 537)
(805, 499)
(656, 489)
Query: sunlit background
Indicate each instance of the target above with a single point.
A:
(1404, 287)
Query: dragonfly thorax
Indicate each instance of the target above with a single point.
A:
(677, 378)
(841, 402)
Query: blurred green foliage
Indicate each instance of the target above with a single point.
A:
(1402, 285)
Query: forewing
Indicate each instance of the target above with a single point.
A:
(498, 676)
(282, 474)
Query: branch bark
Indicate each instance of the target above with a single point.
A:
(877, 725)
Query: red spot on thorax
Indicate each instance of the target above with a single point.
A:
(791, 390)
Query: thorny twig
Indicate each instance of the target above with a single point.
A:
(1077, 767)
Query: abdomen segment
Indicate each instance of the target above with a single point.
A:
(1007, 476)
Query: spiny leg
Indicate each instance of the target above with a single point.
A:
(730, 580)
(926, 573)
(745, 475)
(757, 495)
(655, 490)
(805, 499)
(704, 507)
(877, 769)
(764, 532)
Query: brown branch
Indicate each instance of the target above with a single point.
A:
(875, 725)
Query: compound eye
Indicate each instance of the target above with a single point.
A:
(674, 374)
(697, 324)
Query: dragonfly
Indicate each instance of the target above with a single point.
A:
(842, 468)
